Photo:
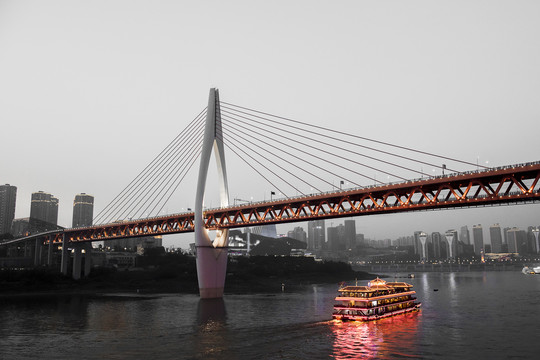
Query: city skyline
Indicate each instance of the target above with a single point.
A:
(112, 97)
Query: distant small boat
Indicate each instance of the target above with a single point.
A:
(528, 270)
(411, 276)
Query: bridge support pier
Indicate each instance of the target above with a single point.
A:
(65, 256)
(50, 253)
(37, 252)
(87, 258)
(27, 250)
(211, 271)
(77, 261)
(211, 255)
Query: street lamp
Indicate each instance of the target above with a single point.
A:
(272, 193)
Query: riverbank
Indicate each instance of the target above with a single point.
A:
(177, 274)
(442, 267)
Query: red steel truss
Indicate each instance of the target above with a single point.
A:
(505, 185)
(512, 184)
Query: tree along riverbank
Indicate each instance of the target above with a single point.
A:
(176, 273)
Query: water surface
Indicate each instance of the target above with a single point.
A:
(471, 315)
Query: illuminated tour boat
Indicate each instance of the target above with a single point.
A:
(378, 300)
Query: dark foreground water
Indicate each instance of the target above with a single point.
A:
(492, 315)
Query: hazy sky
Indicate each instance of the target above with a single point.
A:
(91, 91)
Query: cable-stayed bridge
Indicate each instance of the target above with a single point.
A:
(300, 162)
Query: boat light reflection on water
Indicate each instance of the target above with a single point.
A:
(386, 338)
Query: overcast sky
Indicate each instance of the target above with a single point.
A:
(91, 91)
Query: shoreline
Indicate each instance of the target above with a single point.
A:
(244, 276)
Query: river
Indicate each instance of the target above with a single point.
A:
(489, 315)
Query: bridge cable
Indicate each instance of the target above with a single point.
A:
(331, 154)
(294, 156)
(181, 161)
(265, 167)
(359, 137)
(110, 207)
(264, 157)
(346, 142)
(135, 193)
(251, 166)
(268, 169)
(344, 149)
(178, 183)
(135, 183)
(180, 172)
(150, 188)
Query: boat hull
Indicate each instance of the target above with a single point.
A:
(350, 317)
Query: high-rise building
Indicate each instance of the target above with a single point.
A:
(148, 242)
(464, 235)
(350, 234)
(44, 207)
(360, 241)
(405, 241)
(420, 245)
(8, 196)
(134, 244)
(416, 243)
(265, 230)
(332, 235)
(335, 238)
(452, 240)
(536, 236)
(298, 233)
(83, 210)
(505, 235)
(436, 240)
(478, 239)
(531, 241)
(517, 240)
(316, 235)
(496, 238)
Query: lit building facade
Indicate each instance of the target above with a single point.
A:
(44, 207)
(83, 210)
(8, 196)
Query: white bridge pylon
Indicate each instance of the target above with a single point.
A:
(211, 254)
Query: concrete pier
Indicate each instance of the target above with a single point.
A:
(87, 258)
(77, 261)
(65, 256)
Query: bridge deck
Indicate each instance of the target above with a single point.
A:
(505, 185)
